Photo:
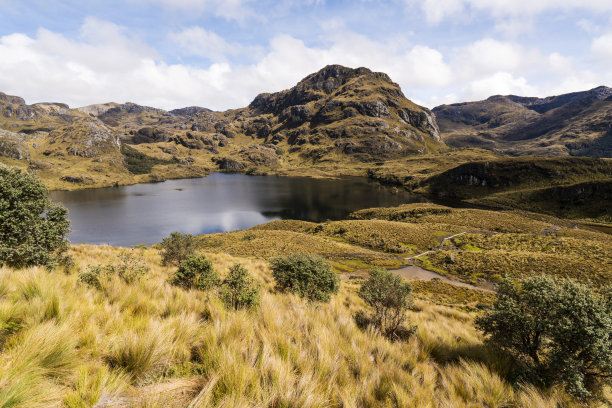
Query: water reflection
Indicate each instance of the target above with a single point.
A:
(145, 213)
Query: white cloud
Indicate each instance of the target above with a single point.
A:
(602, 47)
(106, 64)
(501, 83)
(199, 42)
(511, 15)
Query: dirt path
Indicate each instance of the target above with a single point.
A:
(415, 272)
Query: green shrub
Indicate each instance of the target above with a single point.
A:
(177, 247)
(239, 290)
(196, 272)
(559, 329)
(32, 228)
(306, 275)
(390, 297)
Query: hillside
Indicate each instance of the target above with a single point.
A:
(577, 124)
(566, 187)
(336, 118)
(148, 343)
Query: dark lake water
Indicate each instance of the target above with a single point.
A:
(145, 213)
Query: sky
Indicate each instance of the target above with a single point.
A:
(220, 54)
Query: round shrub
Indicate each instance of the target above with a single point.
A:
(239, 290)
(306, 275)
(32, 228)
(196, 272)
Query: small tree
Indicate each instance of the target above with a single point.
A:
(239, 290)
(196, 272)
(559, 328)
(306, 275)
(32, 228)
(390, 298)
(177, 247)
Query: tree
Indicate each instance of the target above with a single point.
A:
(196, 272)
(561, 330)
(239, 290)
(308, 276)
(390, 297)
(177, 247)
(32, 228)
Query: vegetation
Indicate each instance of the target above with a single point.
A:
(139, 163)
(177, 247)
(305, 275)
(129, 268)
(560, 327)
(151, 344)
(390, 297)
(196, 271)
(32, 229)
(239, 290)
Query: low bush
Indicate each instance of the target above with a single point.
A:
(129, 268)
(196, 272)
(177, 247)
(239, 290)
(308, 276)
(390, 297)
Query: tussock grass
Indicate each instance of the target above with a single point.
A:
(151, 344)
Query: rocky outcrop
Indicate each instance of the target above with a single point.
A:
(149, 135)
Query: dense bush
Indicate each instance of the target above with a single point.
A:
(32, 228)
(196, 272)
(560, 329)
(390, 297)
(239, 290)
(306, 275)
(128, 268)
(177, 247)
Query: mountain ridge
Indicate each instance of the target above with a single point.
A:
(574, 124)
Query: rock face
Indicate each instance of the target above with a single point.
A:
(578, 123)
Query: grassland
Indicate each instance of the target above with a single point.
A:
(149, 344)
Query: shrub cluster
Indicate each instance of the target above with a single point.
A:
(129, 268)
(237, 291)
(308, 276)
(559, 329)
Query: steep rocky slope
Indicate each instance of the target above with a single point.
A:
(578, 124)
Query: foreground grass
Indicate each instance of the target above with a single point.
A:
(149, 344)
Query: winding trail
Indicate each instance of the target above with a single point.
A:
(416, 272)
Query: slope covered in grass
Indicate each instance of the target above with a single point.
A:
(149, 344)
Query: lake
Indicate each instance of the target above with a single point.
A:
(146, 213)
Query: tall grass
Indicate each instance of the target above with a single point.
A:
(150, 344)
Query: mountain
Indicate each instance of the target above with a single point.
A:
(336, 116)
(577, 124)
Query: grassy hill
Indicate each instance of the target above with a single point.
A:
(151, 344)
